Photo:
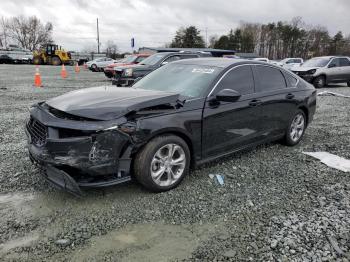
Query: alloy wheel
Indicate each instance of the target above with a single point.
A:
(297, 127)
(168, 165)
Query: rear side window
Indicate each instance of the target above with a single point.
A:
(189, 56)
(291, 80)
(239, 79)
(269, 79)
(344, 62)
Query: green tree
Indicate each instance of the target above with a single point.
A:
(188, 38)
(337, 44)
(222, 43)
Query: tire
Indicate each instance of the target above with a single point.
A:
(348, 83)
(151, 160)
(56, 61)
(37, 61)
(319, 82)
(296, 128)
(94, 67)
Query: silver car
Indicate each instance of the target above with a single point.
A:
(321, 71)
(290, 62)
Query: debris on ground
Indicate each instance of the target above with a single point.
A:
(331, 160)
(327, 93)
(219, 178)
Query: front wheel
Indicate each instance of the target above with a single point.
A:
(163, 163)
(296, 128)
(94, 67)
(319, 82)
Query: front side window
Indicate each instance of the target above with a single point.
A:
(192, 81)
(140, 59)
(334, 63)
(172, 59)
(153, 59)
(239, 79)
(270, 78)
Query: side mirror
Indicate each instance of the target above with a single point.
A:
(332, 65)
(228, 95)
(164, 63)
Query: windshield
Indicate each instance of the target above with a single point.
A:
(316, 62)
(187, 80)
(153, 59)
(129, 59)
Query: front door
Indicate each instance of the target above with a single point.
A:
(227, 126)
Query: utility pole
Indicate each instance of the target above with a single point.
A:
(98, 39)
(206, 37)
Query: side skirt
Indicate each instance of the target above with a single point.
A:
(267, 140)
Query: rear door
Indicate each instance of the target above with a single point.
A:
(345, 69)
(334, 71)
(230, 125)
(277, 97)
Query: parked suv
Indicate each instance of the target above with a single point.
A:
(130, 60)
(321, 71)
(126, 75)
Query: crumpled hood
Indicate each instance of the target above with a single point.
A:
(109, 102)
(302, 68)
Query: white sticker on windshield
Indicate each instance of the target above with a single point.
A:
(203, 70)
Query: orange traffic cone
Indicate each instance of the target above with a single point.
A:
(77, 68)
(63, 72)
(37, 77)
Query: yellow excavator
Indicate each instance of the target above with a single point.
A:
(51, 54)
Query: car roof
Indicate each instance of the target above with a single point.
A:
(330, 57)
(219, 62)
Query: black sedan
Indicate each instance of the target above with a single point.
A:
(179, 116)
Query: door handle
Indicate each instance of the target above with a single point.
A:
(290, 96)
(255, 102)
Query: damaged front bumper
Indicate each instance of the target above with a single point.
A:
(91, 159)
(123, 81)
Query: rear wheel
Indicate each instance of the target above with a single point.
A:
(163, 163)
(56, 61)
(319, 82)
(296, 128)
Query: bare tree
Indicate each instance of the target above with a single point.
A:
(29, 32)
(3, 32)
(111, 49)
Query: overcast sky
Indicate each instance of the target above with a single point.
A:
(154, 23)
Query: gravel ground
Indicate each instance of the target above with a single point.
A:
(276, 204)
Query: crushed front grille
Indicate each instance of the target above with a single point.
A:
(37, 131)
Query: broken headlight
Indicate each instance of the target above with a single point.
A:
(127, 128)
(128, 72)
